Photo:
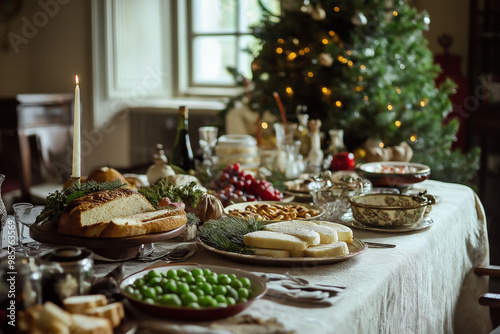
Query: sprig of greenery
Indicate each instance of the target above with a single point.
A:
(227, 233)
(57, 201)
(189, 193)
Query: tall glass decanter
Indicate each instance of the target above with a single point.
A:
(182, 155)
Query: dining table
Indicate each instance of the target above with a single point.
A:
(425, 284)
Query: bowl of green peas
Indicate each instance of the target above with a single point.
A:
(193, 292)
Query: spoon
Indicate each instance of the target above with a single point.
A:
(178, 254)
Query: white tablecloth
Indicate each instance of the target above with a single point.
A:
(424, 285)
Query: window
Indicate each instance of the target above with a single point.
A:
(218, 35)
(159, 50)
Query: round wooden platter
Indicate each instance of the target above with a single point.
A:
(112, 248)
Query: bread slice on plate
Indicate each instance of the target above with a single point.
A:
(85, 324)
(80, 304)
(114, 312)
(87, 215)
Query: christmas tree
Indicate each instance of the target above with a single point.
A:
(362, 66)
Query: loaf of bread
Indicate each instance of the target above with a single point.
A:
(144, 223)
(80, 304)
(344, 233)
(274, 240)
(272, 252)
(114, 312)
(88, 215)
(311, 237)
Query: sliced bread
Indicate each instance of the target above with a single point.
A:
(80, 304)
(85, 324)
(114, 312)
(87, 215)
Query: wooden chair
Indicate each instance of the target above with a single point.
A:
(489, 299)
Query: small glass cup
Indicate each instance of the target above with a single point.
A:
(25, 214)
(208, 140)
(333, 198)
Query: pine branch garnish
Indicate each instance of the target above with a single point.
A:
(57, 201)
(227, 233)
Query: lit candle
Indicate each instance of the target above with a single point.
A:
(76, 172)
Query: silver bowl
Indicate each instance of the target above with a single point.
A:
(389, 209)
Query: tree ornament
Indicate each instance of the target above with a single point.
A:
(325, 59)
(359, 19)
(318, 13)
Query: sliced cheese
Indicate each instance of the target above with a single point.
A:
(297, 253)
(344, 233)
(80, 304)
(272, 252)
(274, 240)
(308, 235)
(327, 235)
(336, 248)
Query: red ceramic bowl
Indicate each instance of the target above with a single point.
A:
(394, 173)
(205, 313)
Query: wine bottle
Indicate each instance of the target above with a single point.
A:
(182, 155)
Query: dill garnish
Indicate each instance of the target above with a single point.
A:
(227, 233)
(57, 201)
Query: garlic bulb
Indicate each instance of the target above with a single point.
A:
(209, 207)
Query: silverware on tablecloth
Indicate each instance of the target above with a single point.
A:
(378, 245)
(303, 282)
(178, 254)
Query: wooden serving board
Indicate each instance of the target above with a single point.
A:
(112, 248)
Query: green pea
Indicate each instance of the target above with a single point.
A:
(172, 274)
(200, 278)
(190, 279)
(236, 284)
(225, 280)
(139, 282)
(170, 299)
(220, 290)
(243, 293)
(197, 272)
(246, 282)
(154, 281)
(231, 292)
(158, 290)
(221, 299)
(182, 288)
(232, 276)
(194, 305)
(148, 292)
(149, 300)
(199, 292)
(188, 298)
(206, 272)
(129, 289)
(207, 288)
(213, 279)
(230, 301)
(181, 272)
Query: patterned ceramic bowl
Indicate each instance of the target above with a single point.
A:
(389, 209)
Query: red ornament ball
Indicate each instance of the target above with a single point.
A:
(343, 161)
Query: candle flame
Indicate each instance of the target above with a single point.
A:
(76, 79)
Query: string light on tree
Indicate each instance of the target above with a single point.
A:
(413, 138)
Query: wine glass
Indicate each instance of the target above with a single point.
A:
(25, 215)
(208, 140)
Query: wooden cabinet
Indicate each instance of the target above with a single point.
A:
(36, 135)
(482, 107)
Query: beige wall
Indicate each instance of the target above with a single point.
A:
(61, 48)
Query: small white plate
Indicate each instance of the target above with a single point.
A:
(348, 220)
